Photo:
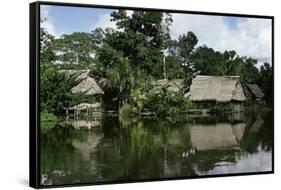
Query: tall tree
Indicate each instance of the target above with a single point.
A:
(266, 82)
(249, 72)
(186, 44)
(142, 38)
(207, 61)
(179, 53)
(232, 63)
(77, 47)
(46, 46)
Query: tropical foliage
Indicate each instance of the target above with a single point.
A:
(48, 120)
(139, 51)
(159, 100)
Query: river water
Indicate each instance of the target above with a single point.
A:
(113, 148)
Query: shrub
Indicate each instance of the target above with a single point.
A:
(48, 121)
(55, 89)
(160, 100)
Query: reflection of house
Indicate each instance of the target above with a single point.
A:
(77, 124)
(253, 92)
(226, 89)
(88, 86)
(174, 85)
(89, 109)
(238, 130)
(88, 145)
(217, 136)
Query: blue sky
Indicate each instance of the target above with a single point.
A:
(247, 36)
(72, 19)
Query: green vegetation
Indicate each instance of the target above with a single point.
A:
(159, 100)
(130, 58)
(265, 81)
(55, 89)
(49, 121)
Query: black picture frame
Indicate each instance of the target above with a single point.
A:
(34, 86)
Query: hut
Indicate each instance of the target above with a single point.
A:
(89, 86)
(253, 93)
(217, 89)
(174, 85)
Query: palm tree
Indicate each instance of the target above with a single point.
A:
(122, 78)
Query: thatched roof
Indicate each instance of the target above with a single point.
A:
(173, 85)
(80, 74)
(88, 84)
(255, 90)
(216, 88)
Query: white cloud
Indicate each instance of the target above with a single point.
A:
(250, 37)
(47, 20)
(104, 22)
(129, 13)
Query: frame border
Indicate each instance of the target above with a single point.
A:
(34, 92)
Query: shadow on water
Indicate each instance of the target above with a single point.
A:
(137, 148)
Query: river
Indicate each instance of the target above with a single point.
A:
(114, 148)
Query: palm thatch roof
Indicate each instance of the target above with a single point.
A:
(173, 85)
(216, 88)
(255, 90)
(88, 84)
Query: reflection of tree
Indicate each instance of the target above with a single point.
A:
(207, 159)
(57, 136)
(68, 159)
(258, 133)
(142, 148)
(146, 152)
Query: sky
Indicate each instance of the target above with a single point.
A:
(247, 36)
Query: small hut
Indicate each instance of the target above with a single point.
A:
(174, 85)
(217, 89)
(253, 93)
(88, 86)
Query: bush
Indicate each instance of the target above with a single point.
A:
(160, 100)
(125, 110)
(47, 121)
(55, 89)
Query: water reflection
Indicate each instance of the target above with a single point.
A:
(134, 148)
(82, 123)
(221, 135)
(87, 145)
